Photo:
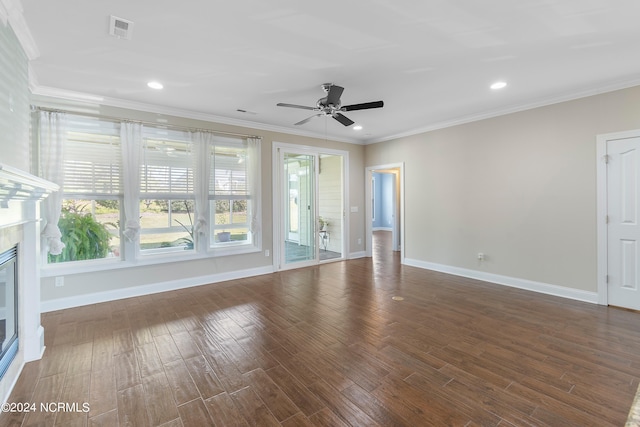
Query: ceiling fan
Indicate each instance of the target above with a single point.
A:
(330, 106)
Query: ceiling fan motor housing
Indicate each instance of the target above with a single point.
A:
(327, 108)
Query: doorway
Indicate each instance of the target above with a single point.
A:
(309, 206)
(618, 176)
(384, 210)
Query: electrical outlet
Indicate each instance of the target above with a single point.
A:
(59, 281)
(480, 256)
(359, 241)
(266, 252)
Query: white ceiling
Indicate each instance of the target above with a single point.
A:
(431, 61)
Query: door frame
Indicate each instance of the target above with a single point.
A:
(399, 208)
(602, 208)
(278, 265)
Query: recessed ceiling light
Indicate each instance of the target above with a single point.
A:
(357, 127)
(155, 85)
(498, 85)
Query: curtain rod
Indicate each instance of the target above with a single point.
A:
(143, 122)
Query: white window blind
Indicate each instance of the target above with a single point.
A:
(228, 169)
(92, 160)
(167, 165)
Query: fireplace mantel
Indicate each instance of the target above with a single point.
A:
(20, 193)
(19, 185)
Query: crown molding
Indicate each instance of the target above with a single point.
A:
(52, 92)
(612, 87)
(11, 11)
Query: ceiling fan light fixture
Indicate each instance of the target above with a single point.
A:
(498, 85)
(357, 127)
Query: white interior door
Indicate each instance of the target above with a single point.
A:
(623, 222)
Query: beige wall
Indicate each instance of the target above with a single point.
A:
(77, 285)
(521, 188)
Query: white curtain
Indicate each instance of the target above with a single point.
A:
(53, 137)
(131, 141)
(201, 172)
(254, 178)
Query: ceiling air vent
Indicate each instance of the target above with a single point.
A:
(120, 28)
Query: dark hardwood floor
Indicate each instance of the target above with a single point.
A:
(328, 346)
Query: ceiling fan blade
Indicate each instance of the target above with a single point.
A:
(364, 106)
(302, 107)
(333, 97)
(301, 122)
(343, 119)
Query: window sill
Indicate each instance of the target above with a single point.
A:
(79, 267)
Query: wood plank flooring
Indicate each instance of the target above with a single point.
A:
(328, 346)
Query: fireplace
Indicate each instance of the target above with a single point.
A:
(21, 335)
(8, 308)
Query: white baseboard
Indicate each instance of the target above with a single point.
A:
(116, 294)
(355, 255)
(8, 390)
(98, 297)
(514, 282)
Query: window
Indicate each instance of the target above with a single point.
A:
(92, 188)
(166, 192)
(155, 191)
(229, 196)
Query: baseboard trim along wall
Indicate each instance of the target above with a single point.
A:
(529, 285)
(356, 255)
(98, 297)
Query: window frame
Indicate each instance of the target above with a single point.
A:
(203, 247)
(157, 177)
(231, 194)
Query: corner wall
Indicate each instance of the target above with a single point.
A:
(14, 152)
(521, 188)
(14, 101)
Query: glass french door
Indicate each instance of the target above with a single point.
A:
(310, 207)
(299, 208)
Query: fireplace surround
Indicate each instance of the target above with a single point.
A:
(8, 308)
(20, 194)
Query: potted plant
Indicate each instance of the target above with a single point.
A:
(324, 224)
(223, 236)
(84, 237)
